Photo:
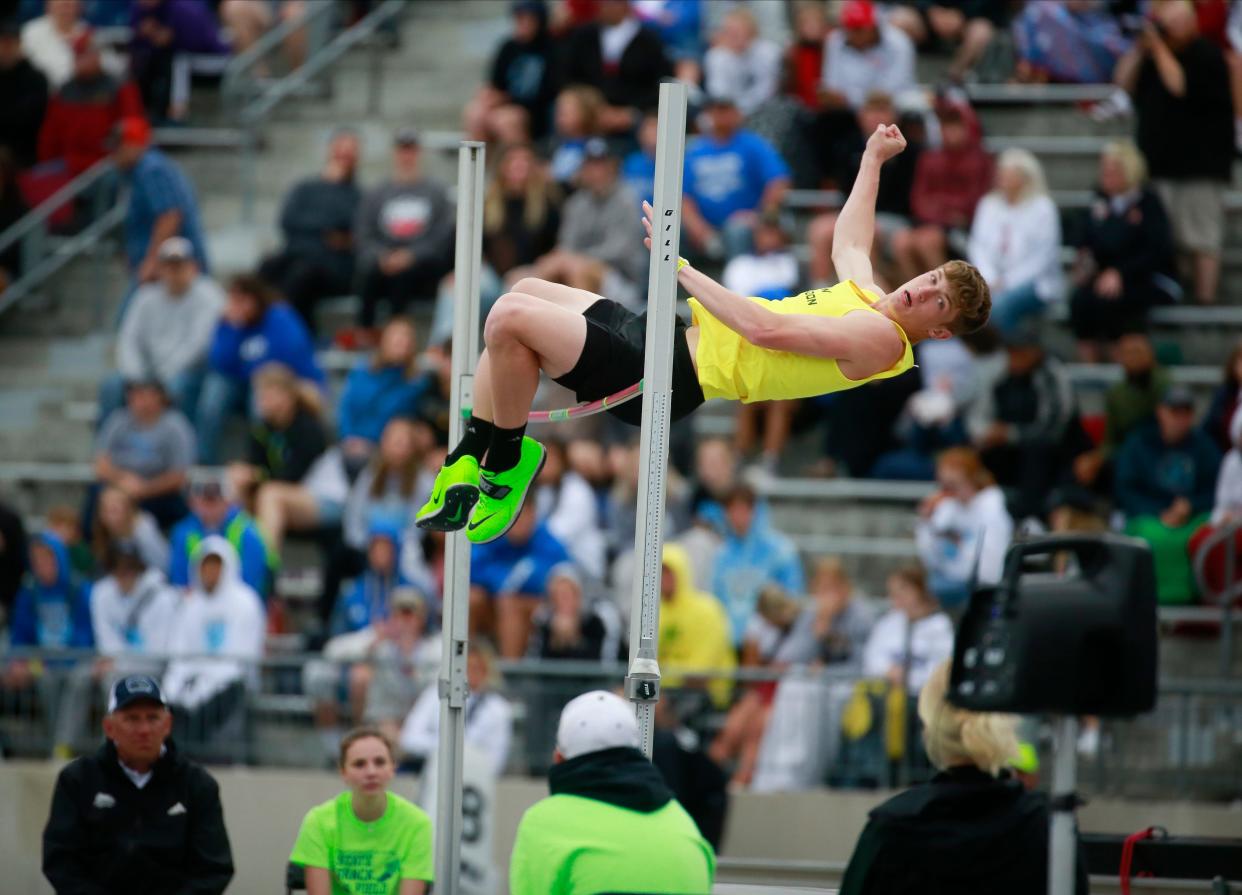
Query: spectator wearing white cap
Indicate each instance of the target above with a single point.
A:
(167, 330)
(611, 823)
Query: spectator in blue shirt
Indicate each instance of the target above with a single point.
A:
(680, 26)
(366, 600)
(211, 513)
(255, 329)
(753, 555)
(732, 175)
(52, 609)
(509, 580)
(385, 386)
(52, 612)
(1166, 482)
(161, 202)
(638, 168)
(361, 619)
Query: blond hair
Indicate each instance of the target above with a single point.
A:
(539, 199)
(745, 17)
(954, 736)
(1024, 162)
(590, 101)
(777, 607)
(276, 375)
(969, 292)
(1130, 157)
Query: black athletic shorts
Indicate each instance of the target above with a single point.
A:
(612, 359)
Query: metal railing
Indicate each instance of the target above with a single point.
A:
(826, 875)
(260, 108)
(43, 254)
(243, 78)
(1189, 747)
(92, 196)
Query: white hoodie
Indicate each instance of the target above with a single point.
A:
(218, 637)
(958, 532)
(137, 623)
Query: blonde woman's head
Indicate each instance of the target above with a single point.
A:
(1019, 176)
(1122, 168)
(955, 737)
(777, 607)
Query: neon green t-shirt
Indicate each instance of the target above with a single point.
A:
(366, 858)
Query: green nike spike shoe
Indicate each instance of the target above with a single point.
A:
(452, 496)
(501, 494)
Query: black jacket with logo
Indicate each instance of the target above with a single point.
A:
(105, 835)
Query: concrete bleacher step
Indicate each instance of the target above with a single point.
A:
(1058, 121)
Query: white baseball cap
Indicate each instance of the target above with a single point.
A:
(595, 721)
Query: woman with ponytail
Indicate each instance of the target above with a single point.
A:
(973, 829)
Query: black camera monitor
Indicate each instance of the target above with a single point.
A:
(1074, 634)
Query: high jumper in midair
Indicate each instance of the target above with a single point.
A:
(739, 348)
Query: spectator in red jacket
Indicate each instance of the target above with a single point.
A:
(948, 184)
(84, 112)
(804, 59)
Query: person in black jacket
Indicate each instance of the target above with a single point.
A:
(23, 97)
(523, 77)
(317, 220)
(12, 557)
(1125, 255)
(972, 830)
(136, 816)
(1180, 84)
(627, 71)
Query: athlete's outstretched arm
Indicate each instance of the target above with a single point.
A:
(855, 230)
(863, 339)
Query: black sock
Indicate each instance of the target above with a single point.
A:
(505, 450)
(474, 442)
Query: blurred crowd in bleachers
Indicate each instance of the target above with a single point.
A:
(183, 542)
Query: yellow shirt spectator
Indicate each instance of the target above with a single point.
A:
(695, 634)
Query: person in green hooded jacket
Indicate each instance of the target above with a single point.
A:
(611, 824)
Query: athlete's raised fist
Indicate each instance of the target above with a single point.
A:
(886, 142)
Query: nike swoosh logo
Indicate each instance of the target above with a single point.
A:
(473, 525)
(456, 517)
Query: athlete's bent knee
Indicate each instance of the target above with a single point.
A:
(507, 319)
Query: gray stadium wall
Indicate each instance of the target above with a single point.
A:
(263, 808)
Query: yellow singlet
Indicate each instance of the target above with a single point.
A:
(730, 367)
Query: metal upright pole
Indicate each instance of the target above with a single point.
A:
(1062, 849)
(642, 683)
(456, 605)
